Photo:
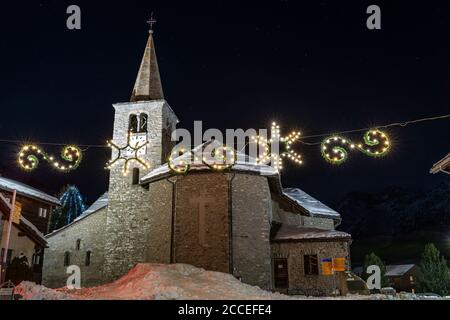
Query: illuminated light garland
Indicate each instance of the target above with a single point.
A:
(28, 158)
(176, 164)
(127, 159)
(376, 144)
(276, 160)
(222, 157)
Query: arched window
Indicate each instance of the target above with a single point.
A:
(143, 120)
(135, 176)
(66, 258)
(133, 123)
(78, 246)
(88, 258)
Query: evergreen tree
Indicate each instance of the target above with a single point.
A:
(372, 259)
(433, 275)
(72, 206)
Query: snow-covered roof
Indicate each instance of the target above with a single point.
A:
(441, 165)
(310, 204)
(243, 163)
(398, 270)
(99, 204)
(23, 189)
(289, 232)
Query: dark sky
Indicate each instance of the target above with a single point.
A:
(312, 66)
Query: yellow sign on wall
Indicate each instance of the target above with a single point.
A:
(17, 212)
(327, 267)
(339, 264)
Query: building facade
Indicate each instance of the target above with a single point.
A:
(240, 221)
(27, 234)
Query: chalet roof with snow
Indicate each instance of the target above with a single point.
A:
(285, 232)
(441, 165)
(398, 270)
(25, 190)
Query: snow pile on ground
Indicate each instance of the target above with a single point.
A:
(157, 281)
(176, 281)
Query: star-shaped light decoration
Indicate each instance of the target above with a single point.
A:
(128, 153)
(268, 155)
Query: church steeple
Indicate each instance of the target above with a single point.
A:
(148, 82)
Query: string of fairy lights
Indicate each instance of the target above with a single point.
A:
(334, 148)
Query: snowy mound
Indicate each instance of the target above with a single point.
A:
(157, 281)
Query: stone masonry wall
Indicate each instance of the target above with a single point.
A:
(201, 234)
(251, 230)
(90, 231)
(299, 283)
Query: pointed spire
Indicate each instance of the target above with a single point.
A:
(148, 82)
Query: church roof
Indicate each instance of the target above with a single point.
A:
(99, 204)
(243, 163)
(298, 198)
(25, 190)
(298, 233)
(312, 205)
(148, 82)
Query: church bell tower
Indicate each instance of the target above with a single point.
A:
(141, 142)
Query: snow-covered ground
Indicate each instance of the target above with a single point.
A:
(161, 281)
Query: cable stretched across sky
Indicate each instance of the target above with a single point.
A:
(385, 126)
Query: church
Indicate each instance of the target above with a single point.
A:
(239, 221)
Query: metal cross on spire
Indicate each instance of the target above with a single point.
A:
(151, 22)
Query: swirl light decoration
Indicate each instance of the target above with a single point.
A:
(335, 149)
(121, 154)
(29, 155)
(268, 156)
(177, 163)
(222, 157)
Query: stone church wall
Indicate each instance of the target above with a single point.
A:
(251, 230)
(90, 231)
(299, 283)
(201, 234)
(157, 225)
(139, 230)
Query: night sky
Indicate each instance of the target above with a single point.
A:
(312, 66)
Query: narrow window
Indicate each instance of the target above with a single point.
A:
(311, 265)
(88, 258)
(78, 246)
(143, 119)
(133, 123)
(42, 213)
(66, 258)
(135, 176)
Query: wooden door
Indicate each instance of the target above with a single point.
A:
(281, 274)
